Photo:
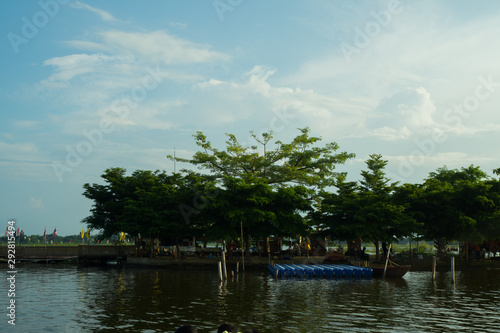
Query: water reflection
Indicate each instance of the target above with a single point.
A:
(59, 298)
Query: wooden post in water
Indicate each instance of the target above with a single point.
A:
(433, 268)
(237, 267)
(453, 269)
(219, 265)
(242, 251)
(224, 269)
(387, 260)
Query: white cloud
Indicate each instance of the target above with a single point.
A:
(68, 67)
(255, 99)
(179, 25)
(25, 123)
(88, 46)
(36, 203)
(21, 148)
(403, 114)
(105, 16)
(443, 58)
(23, 161)
(160, 47)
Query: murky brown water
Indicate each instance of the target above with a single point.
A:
(55, 298)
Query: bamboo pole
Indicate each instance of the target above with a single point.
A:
(219, 265)
(453, 269)
(387, 260)
(242, 251)
(434, 268)
(224, 268)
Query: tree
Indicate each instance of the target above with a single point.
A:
(266, 190)
(367, 210)
(298, 162)
(458, 205)
(144, 204)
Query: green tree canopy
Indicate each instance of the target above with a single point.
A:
(367, 210)
(145, 203)
(266, 190)
(457, 205)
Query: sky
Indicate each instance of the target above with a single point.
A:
(90, 85)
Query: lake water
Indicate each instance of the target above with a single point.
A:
(61, 298)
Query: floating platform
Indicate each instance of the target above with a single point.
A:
(319, 271)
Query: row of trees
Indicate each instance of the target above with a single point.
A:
(292, 190)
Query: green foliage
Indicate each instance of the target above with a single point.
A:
(458, 205)
(289, 190)
(369, 210)
(145, 203)
(267, 191)
(299, 162)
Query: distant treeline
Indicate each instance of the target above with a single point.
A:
(64, 240)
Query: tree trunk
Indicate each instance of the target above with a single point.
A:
(377, 250)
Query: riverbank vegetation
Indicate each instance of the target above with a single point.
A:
(292, 190)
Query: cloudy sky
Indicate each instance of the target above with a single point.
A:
(88, 85)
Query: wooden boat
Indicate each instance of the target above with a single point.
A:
(391, 272)
(334, 257)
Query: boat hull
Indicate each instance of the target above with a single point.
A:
(391, 272)
(334, 257)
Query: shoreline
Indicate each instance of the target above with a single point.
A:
(261, 263)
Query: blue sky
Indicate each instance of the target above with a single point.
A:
(88, 85)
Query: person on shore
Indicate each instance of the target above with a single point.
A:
(363, 255)
(229, 328)
(186, 329)
(384, 249)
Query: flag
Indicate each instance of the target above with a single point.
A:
(88, 233)
(6, 231)
(83, 232)
(54, 234)
(122, 236)
(44, 233)
(17, 232)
